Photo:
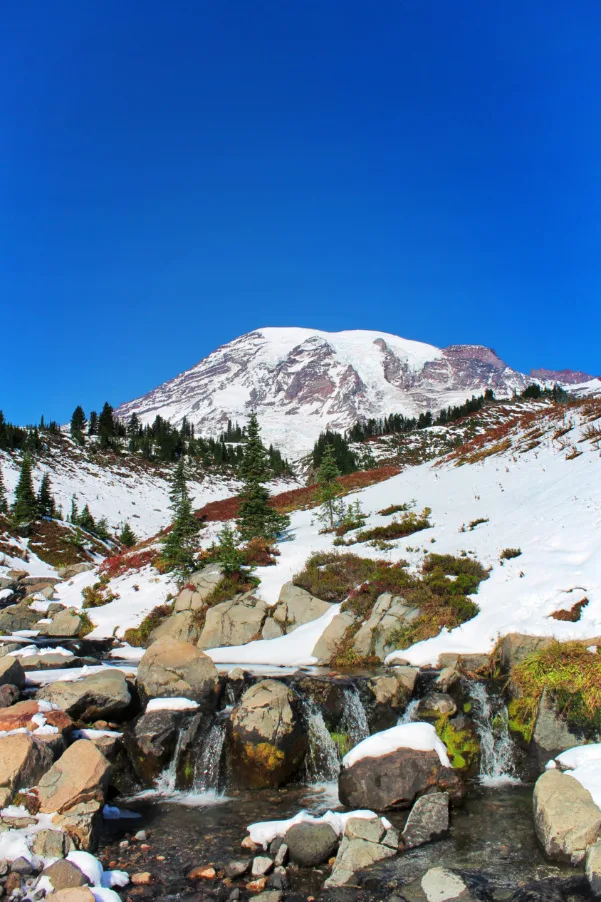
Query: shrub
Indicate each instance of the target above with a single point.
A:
(119, 564)
(397, 529)
(230, 585)
(394, 509)
(508, 553)
(259, 553)
(138, 636)
(471, 526)
(331, 576)
(94, 596)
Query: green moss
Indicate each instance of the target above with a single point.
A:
(86, 624)
(462, 746)
(522, 717)
(343, 742)
(467, 707)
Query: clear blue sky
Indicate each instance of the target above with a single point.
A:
(174, 174)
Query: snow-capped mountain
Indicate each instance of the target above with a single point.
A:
(301, 381)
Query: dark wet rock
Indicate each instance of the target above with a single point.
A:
(266, 738)
(21, 866)
(552, 734)
(150, 741)
(428, 820)
(593, 868)
(327, 694)
(552, 889)
(310, 844)
(395, 780)
(390, 693)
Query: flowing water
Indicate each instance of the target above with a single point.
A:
(409, 715)
(167, 780)
(208, 765)
(497, 749)
(323, 761)
(354, 719)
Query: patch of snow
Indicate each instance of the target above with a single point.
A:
(171, 704)
(419, 736)
(263, 832)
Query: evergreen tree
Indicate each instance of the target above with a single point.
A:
(106, 426)
(127, 536)
(93, 424)
(86, 520)
(101, 529)
(46, 505)
(329, 489)
(74, 511)
(180, 543)
(78, 423)
(256, 518)
(25, 507)
(3, 501)
(228, 554)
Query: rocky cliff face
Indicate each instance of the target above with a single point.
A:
(566, 377)
(301, 381)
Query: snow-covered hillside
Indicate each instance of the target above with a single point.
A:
(301, 381)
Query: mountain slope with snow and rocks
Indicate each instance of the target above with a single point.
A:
(302, 381)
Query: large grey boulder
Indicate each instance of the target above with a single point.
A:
(183, 627)
(428, 819)
(172, 669)
(150, 741)
(266, 737)
(73, 570)
(204, 581)
(67, 624)
(18, 617)
(233, 622)
(395, 780)
(64, 875)
(296, 606)
(104, 695)
(566, 819)
(328, 643)
(23, 760)
(11, 672)
(365, 841)
(310, 844)
(551, 734)
(388, 614)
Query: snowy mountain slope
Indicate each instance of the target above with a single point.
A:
(301, 381)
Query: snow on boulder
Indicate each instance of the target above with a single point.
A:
(263, 832)
(392, 768)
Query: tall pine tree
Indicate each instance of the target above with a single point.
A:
(78, 423)
(106, 426)
(180, 543)
(25, 507)
(3, 501)
(256, 518)
(329, 488)
(93, 424)
(46, 504)
(127, 536)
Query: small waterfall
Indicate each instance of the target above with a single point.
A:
(207, 768)
(165, 785)
(409, 715)
(322, 762)
(354, 719)
(497, 750)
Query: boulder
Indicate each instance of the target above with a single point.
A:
(172, 669)
(82, 823)
(391, 692)
(327, 695)
(23, 760)
(271, 629)
(21, 716)
(48, 662)
(51, 844)
(566, 819)
(182, 627)
(296, 606)
(445, 885)
(266, 737)
(64, 875)
(7, 647)
(395, 780)
(515, 647)
(69, 623)
(365, 841)
(205, 580)
(73, 570)
(74, 894)
(428, 819)
(18, 617)
(9, 695)
(388, 614)
(189, 600)
(39, 581)
(233, 622)
(150, 741)
(435, 705)
(328, 643)
(551, 734)
(101, 695)
(80, 776)
(593, 868)
(11, 672)
(310, 844)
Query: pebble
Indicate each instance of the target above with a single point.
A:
(247, 843)
(262, 864)
(281, 854)
(257, 886)
(145, 847)
(141, 836)
(237, 868)
(124, 844)
(202, 874)
(143, 878)
(160, 857)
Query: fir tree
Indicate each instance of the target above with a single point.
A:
(106, 426)
(329, 489)
(127, 536)
(46, 505)
(228, 554)
(25, 507)
(180, 543)
(101, 529)
(74, 517)
(3, 501)
(86, 520)
(256, 518)
(93, 424)
(78, 423)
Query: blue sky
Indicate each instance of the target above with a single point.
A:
(175, 174)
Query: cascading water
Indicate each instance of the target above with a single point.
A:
(409, 715)
(354, 719)
(207, 768)
(323, 762)
(497, 750)
(165, 785)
